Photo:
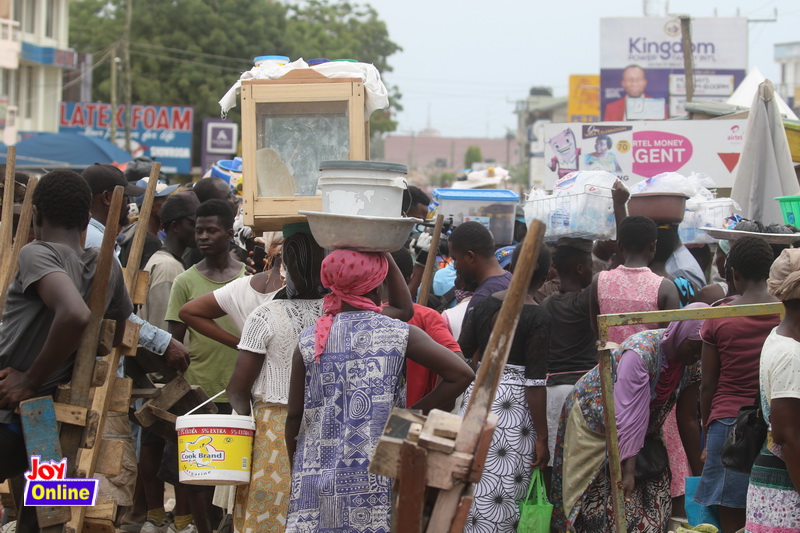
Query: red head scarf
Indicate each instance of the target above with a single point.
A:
(349, 275)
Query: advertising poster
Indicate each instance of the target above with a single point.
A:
(163, 133)
(583, 104)
(634, 151)
(642, 58)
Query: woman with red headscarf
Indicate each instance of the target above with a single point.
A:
(347, 375)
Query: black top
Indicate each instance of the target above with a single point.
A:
(573, 344)
(530, 345)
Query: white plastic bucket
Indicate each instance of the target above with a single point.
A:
(362, 188)
(215, 449)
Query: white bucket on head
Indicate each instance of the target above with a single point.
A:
(362, 188)
(215, 449)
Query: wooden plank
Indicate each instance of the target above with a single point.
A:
(70, 414)
(121, 395)
(303, 92)
(7, 499)
(444, 510)
(462, 512)
(62, 394)
(20, 240)
(72, 437)
(172, 392)
(6, 237)
(130, 340)
(162, 414)
(482, 450)
(697, 313)
(430, 263)
(139, 295)
(411, 499)
(99, 373)
(95, 525)
(135, 256)
(102, 510)
(90, 432)
(145, 393)
(110, 460)
(447, 469)
(105, 342)
(40, 428)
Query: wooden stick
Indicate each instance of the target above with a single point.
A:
(135, 257)
(411, 499)
(6, 229)
(83, 369)
(20, 240)
(490, 372)
(427, 275)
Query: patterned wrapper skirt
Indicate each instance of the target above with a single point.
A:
(263, 505)
(508, 464)
(773, 503)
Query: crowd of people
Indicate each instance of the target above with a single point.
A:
(319, 346)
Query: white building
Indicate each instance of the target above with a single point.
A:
(787, 55)
(33, 55)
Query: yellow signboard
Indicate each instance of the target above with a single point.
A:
(584, 98)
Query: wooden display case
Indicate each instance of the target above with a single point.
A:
(289, 126)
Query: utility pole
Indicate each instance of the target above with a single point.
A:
(114, 67)
(688, 56)
(126, 70)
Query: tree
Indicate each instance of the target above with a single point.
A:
(189, 52)
(473, 155)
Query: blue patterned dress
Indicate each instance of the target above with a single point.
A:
(349, 395)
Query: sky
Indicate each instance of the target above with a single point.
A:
(465, 64)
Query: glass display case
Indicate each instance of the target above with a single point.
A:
(289, 126)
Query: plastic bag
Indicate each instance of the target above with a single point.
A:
(588, 214)
(580, 182)
(698, 514)
(535, 514)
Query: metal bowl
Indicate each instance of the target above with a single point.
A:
(359, 232)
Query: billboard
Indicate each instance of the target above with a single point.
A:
(638, 150)
(583, 104)
(163, 133)
(642, 58)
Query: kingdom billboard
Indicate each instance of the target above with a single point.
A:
(653, 44)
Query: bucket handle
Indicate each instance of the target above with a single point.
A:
(220, 393)
(216, 396)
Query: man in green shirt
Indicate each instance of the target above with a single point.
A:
(212, 363)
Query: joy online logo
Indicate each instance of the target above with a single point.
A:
(201, 453)
(47, 485)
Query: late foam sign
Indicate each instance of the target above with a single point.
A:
(47, 485)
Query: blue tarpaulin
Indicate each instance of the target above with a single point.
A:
(65, 150)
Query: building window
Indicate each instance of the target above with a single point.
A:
(18, 10)
(29, 17)
(51, 20)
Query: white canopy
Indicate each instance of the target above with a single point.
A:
(748, 89)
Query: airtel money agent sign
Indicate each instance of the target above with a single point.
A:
(163, 133)
(641, 60)
(634, 151)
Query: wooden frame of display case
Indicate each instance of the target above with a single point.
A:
(296, 87)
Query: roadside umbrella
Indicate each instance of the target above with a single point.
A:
(765, 168)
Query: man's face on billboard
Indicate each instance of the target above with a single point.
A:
(634, 82)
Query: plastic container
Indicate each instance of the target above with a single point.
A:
(215, 449)
(586, 215)
(317, 61)
(364, 188)
(705, 214)
(346, 60)
(661, 207)
(270, 60)
(494, 208)
(790, 206)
